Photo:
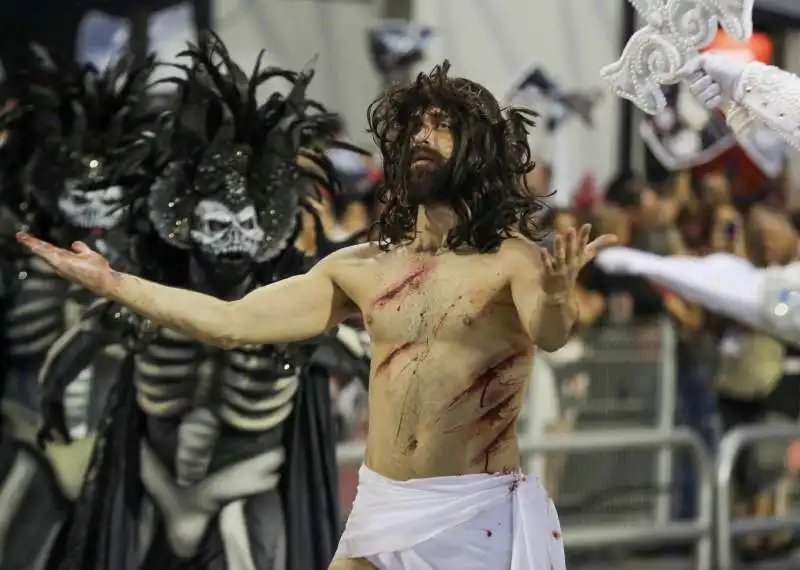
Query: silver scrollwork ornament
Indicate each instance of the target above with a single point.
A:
(675, 32)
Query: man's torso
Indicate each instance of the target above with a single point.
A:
(449, 360)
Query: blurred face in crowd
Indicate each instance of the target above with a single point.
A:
(613, 220)
(564, 221)
(538, 180)
(431, 148)
(648, 213)
(774, 236)
(715, 189)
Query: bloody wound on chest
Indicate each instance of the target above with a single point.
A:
(401, 289)
(393, 354)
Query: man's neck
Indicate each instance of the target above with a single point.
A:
(433, 226)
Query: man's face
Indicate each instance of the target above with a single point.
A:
(431, 148)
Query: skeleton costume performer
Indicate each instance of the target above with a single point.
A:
(65, 123)
(213, 459)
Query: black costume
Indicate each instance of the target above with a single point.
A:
(62, 124)
(212, 459)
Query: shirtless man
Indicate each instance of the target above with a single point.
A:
(456, 295)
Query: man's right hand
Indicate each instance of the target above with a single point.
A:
(80, 264)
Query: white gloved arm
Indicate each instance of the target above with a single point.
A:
(769, 95)
(766, 299)
(722, 283)
(751, 94)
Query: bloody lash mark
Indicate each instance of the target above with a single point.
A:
(501, 440)
(488, 533)
(484, 379)
(556, 535)
(495, 413)
(393, 354)
(410, 282)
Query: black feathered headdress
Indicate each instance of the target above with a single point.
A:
(227, 146)
(84, 119)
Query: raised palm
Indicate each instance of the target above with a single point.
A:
(79, 264)
(571, 252)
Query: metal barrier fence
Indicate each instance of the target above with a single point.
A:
(631, 386)
(698, 531)
(730, 449)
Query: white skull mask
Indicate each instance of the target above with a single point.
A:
(221, 231)
(91, 208)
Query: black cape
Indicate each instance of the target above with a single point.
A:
(101, 532)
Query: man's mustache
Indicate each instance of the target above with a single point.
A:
(423, 153)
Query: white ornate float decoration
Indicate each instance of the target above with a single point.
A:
(675, 31)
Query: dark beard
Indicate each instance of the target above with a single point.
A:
(428, 184)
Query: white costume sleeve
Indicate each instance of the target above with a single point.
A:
(767, 299)
(767, 95)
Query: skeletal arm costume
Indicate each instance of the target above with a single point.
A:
(216, 459)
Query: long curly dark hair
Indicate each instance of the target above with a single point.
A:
(487, 169)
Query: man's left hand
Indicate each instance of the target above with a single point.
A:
(570, 253)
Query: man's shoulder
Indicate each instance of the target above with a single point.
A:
(517, 249)
(349, 255)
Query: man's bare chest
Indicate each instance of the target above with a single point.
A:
(434, 297)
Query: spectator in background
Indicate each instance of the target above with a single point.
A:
(617, 298)
(350, 207)
(695, 347)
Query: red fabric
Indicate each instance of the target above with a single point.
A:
(375, 175)
(586, 196)
(758, 48)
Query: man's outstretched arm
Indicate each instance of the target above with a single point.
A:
(293, 309)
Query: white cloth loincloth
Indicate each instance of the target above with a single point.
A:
(469, 522)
